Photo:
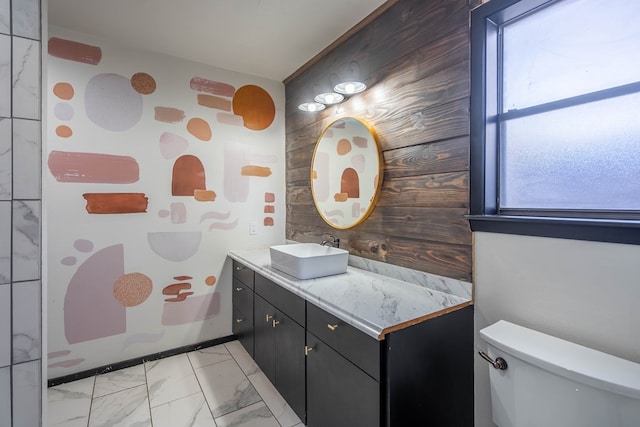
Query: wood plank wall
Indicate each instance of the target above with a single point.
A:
(414, 58)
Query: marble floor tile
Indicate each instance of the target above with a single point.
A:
(256, 415)
(68, 404)
(191, 411)
(208, 356)
(122, 379)
(244, 360)
(125, 408)
(274, 401)
(226, 387)
(170, 379)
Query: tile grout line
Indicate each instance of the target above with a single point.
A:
(201, 390)
(146, 385)
(93, 391)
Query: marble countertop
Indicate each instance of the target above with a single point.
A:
(373, 303)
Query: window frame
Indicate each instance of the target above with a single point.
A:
(484, 156)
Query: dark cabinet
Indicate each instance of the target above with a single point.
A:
(279, 340)
(242, 322)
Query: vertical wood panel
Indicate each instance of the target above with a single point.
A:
(415, 59)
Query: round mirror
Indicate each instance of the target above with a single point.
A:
(346, 172)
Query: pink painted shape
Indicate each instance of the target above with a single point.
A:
(67, 363)
(55, 354)
(211, 86)
(355, 210)
(321, 183)
(358, 162)
(235, 186)
(83, 245)
(360, 141)
(178, 213)
(172, 145)
(230, 119)
(191, 310)
(214, 215)
(223, 226)
(90, 309)
(69, 260)
(163, 213)
(111, 103)
(262, 158)
(95, 168)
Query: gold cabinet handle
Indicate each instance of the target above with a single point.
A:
(239, 320)
(332, 327)
(275, 323)
(268, 317)
(239, 289)
(307, 350)
(238, 268)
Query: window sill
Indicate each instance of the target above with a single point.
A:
(596, 230)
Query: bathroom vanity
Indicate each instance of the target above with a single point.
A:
(356, 349)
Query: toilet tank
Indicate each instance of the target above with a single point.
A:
(550, 382)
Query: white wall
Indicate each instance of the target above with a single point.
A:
(76, 236)
(585, 292)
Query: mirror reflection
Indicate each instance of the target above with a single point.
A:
(346, 172)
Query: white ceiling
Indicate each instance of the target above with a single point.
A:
(266, 38)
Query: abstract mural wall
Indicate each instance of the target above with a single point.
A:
(155, 168)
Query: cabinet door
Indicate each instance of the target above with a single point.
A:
(265, 337)
(290, 363)
(243, 329)
(339, 394)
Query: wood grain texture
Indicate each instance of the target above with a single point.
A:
(414, 58)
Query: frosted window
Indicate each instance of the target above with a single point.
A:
(570, 48)
(582, 157)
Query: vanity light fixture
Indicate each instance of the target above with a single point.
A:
(311, 106)
(329, 98)
(349, 88)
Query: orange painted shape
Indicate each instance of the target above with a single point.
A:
(68, 166)
(63, 90)
(216, 102)
(74, 51)
(269, 209)
(210, 280)
(199, 128)
(256, 107)
(268, 221)
(341, 197)
(64, 131)
(168, 114)
(143, 83)
(188, 176)
(211, 86)
(269, 197)
(344, 147)
(116, 203)
(175, 288)
(204, 195)
(260, 171)
(350, 183)
(132, 289)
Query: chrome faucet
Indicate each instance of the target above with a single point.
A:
(335, 242)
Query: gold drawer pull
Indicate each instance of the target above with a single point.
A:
(332, 327)
(268, 317)
(238, 268)
(239, 289)
(275, 323)
(239, 320)
(307, 350)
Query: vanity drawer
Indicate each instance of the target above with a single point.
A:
(361, 349)
(284, 300)
(243, 273)
(243, 298)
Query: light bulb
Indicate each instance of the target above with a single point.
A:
(349, 88)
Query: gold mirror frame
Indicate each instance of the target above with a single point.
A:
(348, 155)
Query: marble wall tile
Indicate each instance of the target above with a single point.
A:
(5, 158)
(26, 240)
(5, 397)
(26, 321)
(5, 76)
(26, 78)
(26, 18)
(5, 325)
(27, 394)
(26, 159)
(5, 242)
(5, 17)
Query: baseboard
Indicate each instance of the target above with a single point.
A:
(138, 360)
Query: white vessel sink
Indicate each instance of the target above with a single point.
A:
(309, 260)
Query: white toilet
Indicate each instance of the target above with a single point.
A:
(549, 382)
